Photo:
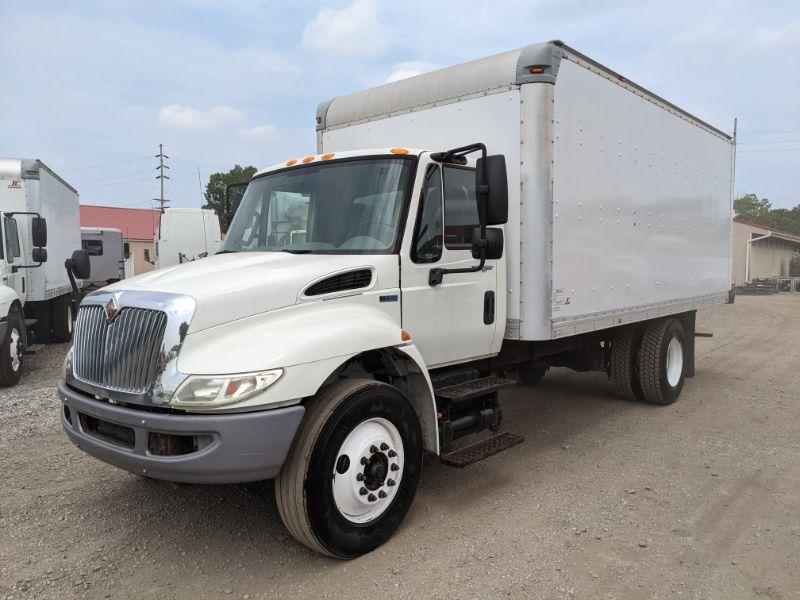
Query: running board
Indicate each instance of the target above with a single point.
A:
(472, 454)
(472, 389)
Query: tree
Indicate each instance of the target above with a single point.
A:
(215, 193)
(750, 208)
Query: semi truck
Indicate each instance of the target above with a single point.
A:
(35, 293)
(454, 233)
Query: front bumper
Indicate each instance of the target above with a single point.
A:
(235, 447)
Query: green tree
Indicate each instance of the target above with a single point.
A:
(750, 208)
(215, 193)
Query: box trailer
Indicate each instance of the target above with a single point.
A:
(105, 247)
(186, 235)
(455, 233)
(35, 287)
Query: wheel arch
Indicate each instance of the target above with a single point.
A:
(404, 368)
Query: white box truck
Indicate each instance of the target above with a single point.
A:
(34, 285)
(455, 233)
(186, 235)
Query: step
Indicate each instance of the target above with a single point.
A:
(471, 389)
(472, 454)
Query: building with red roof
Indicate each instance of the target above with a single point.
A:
(139, 228)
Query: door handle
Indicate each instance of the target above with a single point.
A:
(488, 308)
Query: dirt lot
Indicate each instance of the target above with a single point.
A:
(605, 499)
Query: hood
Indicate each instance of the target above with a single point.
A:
(229, 287)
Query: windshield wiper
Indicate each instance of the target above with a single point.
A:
(293, 251)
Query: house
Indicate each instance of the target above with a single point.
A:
(139, 228)
(760, 252)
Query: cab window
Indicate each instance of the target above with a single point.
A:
(12, 240)
(93, 247)
(427, 245)
(460, 207)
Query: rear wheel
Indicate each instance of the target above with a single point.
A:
(662, 361)
(624, 363)
(11, 349)
(43, 328)
(62, 319)
(353, 469)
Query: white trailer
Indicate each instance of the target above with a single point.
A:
(186, 235)
(370, 300)
(35, 286)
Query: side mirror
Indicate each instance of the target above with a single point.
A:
(497, 202)
(39, 255)
(39, 232)
(494, 243)
(79, 264)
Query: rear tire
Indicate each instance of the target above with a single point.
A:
(62, 319)
(11, 349)
(318, 492)
(662, 361)
(43, 328)
(624, 363)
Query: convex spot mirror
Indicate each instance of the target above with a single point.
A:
(39, 255)
(494, 240)
(39, 232)
(497, 201)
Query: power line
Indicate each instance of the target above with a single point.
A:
(776, 150)
(772, 131)
(93, 166)
(775, 142)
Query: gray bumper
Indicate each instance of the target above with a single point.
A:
(240, 447)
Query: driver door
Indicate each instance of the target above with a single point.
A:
(456, 320)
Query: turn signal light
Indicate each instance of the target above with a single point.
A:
(537, 70)
(405, 336)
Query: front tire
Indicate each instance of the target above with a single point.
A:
(662, 361)
(62, 319)
(11, 348)
(353, 469)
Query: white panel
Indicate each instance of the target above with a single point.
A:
(641, 203)
(492, 119)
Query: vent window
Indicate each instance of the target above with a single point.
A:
(352, 280)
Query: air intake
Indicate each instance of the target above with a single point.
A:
(352, 280)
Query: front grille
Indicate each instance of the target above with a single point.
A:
(120, 355)
(108, 431)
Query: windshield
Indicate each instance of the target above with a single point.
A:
(344, 207)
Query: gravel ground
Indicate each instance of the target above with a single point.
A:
(604, 499)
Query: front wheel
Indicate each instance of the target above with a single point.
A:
(353, 469)
(11, 348)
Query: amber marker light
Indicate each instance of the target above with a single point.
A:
(307, 159)
(291, 162)
(405, 336)
(537, 70)
(328, 156)
(398, 151)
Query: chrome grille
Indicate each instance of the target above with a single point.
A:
(120, 355)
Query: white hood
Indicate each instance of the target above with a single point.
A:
(229, 287)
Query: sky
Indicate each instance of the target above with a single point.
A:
(92, 88)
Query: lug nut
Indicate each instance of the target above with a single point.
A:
(390, 482)
(392, 453)
(360, 477)
(373, 449)
(363, 491)
(384, 446)
(394, 467)
(381, 494)
(371, 498)
(364, 460)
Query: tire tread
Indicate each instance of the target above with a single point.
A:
(650, 361)
(621, 365)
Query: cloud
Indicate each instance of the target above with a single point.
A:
(405, 70)
(260, 133)
(185, 118)
(352, 31)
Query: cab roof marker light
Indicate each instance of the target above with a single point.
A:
(308, 159)
(328, 156)
(291, 162)
(398, 151)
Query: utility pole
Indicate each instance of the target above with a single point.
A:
(161, 166)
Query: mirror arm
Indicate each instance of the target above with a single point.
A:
(69, 265)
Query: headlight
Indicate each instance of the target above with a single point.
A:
(217, 390)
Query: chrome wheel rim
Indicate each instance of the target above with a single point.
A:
(368, 470)
(15, 350)
(674, 361)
